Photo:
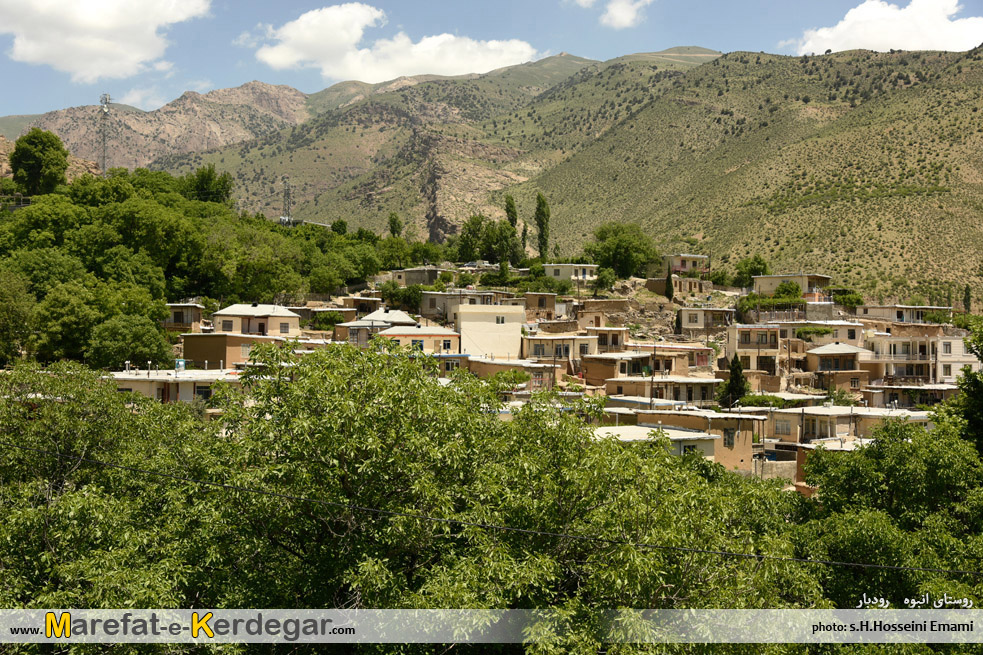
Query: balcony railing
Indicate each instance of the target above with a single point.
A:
(895, 357)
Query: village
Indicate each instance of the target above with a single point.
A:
(815, 373)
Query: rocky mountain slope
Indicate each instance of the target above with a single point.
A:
(76, 166)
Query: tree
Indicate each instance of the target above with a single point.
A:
(604, 281)
(16, 308)
(128, 338)
(748, 268)
(542, 218)
(470, 240)
(395, 225)
(788, 289)
(511, 212)
(967, 299)
(39, 161)
(624, 248)
(525, 236)
(736, 386)
(670, 289)
(340, 226)
(206, 185)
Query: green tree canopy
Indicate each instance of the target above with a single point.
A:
(736, 386)
(207, 185)
(624, 248)
(395, 225)
(128, 338)
(788, 289)
(511, 213)
(748, 268)
(542, 218)
(39, 161)
(604, 281)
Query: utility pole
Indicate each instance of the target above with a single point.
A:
(104, 100)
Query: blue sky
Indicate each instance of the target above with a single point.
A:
(62, 53)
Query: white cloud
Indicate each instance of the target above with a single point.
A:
(147, 98)
(879, 25)
(330, 38)
(586, 4)
(94, 39)
(619, 14)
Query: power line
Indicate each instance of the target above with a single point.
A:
(487, 526)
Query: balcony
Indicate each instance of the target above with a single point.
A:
(895, 357)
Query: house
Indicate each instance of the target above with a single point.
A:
(255, 318)
(443, 305)
(174, 385)
(223, 349)
(391, 316)
(431, 339)
(820, 333)
(913, 353)
(757, 346)
(362, 304)
(540, 306)
(701, 320)
(837, 366)
(184, 317)
(681, 286)
(359, 332)
(698, 391)
(598, 369)
(491, 330)
(901, 313)
(423, 275)
(682, 441)
(804, 424)
(609, 339)
(813, 286)
(738, 432)
(541, 376)
(686, 264)
(564, 349)
(694, 355)
(576, 273)
(908, 396)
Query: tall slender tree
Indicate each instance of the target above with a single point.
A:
(510, 211)
(542, 218)
(967, 299)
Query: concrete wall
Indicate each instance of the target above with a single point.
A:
(482, 334)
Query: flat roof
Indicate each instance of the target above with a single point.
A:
(640, 433)
(838, 349)
(683, 254)
(792, 275)
(757, 326)
(668, 345)
(676, 379)
(185, 304)
(236, 334)
(524, 363)
(700, 413)
(939, 386)
(557, 337)
(846, 410)
(905, 307)
(174, 375)
(418, 330)
(256, 310)
(836, 443)
(618, 355)
(644, 400)
(836, 323)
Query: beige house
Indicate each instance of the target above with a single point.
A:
(559, 348)
(443, 305)
(424, 275)
(813, 286)
(362, 304)
(430, 339)
(917, 354)
(609, 339)
(686, 263)
(491, 330)
(681, 286)
(542, 376)
(540, 306)
(697, 320)
(682, 441)
(757, 346)
(359, 332)
(582, 273)
(257, 319)
(803, 424)
(837, 366)
(173, 386)
(222, 349)
(698, 391)
(900, 313)
(184, 317)
(738, 432)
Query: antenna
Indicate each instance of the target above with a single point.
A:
(104, 100)
(285, 219)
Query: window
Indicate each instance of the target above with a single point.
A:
(614, 339)
(244, 350)
(623, 368)
(854, 383)
(783, 334)
(947, 370)
(762, 337)
(417, 344)
(946, 347)
(447, 344)
(746, 361)
(500, 320)
(433, 303)
(584, 349)
(284, 328)
(851, 334)
(538, 349)
(745, 337)
(556, 272)
(694, 317)
(542, 302)
(203, 391)
(836, 334)
(449, 366)
(620, 391)
(226, 325)
(689, 449)
(178, 317)
(602, 339)
(729, 434)
(783, 427)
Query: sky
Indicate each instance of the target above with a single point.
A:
(62, 53)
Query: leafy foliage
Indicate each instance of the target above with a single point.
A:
(623, 248)
(39, 161)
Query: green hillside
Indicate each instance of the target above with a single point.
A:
(863, 165)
